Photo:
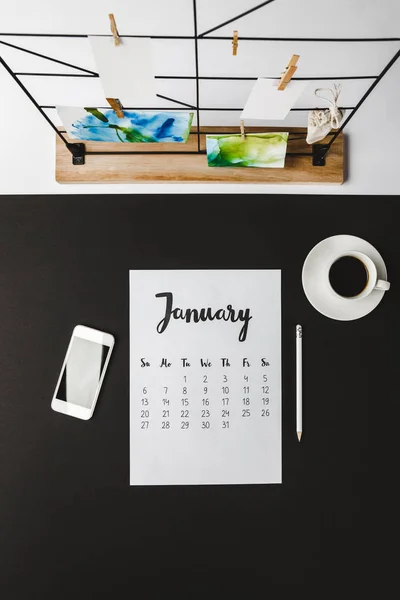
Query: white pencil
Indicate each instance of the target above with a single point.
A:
(299, 381)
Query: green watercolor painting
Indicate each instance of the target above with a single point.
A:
(265, 150)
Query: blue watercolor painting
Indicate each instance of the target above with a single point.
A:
(98, 125)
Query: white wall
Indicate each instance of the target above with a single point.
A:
(27, 142)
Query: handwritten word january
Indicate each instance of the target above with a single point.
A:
(203, 314)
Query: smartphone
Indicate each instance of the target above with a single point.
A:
(82, 373)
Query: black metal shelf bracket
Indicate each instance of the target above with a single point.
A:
(318, 154)
(78, 151)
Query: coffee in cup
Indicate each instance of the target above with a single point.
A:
(354, 275)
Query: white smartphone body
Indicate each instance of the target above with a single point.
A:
(83, 372)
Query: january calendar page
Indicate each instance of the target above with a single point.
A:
(205, 377)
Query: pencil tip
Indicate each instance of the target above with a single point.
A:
(299, 434)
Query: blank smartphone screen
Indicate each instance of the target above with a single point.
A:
(82, 372)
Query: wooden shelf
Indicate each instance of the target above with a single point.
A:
(193, 168)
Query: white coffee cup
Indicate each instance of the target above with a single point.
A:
(373, 283)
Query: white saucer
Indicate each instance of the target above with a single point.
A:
(319, 293)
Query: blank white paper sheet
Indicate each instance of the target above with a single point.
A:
(205, 377)
(266, 102)
(126, 71)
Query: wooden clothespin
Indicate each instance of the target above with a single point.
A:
(114, 102)
(235, 42)
(117, 106)
(289, 72)
(114, 30)
(242, 132)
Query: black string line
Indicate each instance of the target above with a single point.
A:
(173, 100)
(209, 108)
(196, 58)
(215, 131)
(205, 77)
(141, 153)
(32, 99)
(367, 93)
(210, 37)
(55, 60)
(247, 12)
(298, 39)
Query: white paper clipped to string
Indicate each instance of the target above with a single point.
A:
(126, 71)
(266, 102)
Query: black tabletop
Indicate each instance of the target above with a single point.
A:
(69, 521)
